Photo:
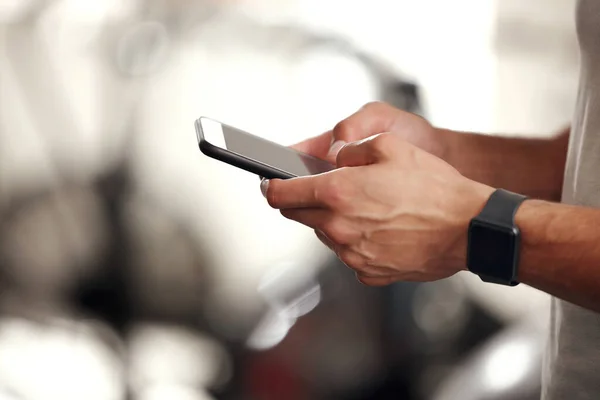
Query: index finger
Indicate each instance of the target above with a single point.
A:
(301, 192)
(371, 119)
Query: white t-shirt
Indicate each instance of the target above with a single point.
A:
(572, 362)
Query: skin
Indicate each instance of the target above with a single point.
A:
(398, 205)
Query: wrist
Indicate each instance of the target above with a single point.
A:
(444, 144)
(472, 197)
(532, 246)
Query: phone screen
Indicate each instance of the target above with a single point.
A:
(273, 154)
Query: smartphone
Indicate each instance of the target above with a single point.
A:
(254, 154)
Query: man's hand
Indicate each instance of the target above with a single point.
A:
(530, 166)
(391, 211)
(370, 120)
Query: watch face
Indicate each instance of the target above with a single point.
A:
(492, 250)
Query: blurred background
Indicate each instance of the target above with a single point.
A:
(130, 267)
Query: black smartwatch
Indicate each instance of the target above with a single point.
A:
(494, 239)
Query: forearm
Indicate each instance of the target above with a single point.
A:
(560, 251)
(533, 167)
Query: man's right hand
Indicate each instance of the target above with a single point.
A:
(372, 119)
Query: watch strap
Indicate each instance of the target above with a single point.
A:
(502, 207)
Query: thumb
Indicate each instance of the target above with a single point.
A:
(371, 119)
(334, 149)
(367, 151)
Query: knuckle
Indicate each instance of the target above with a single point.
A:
(384, 143)
(374, 106)
(344, 129)
(333, 193)
(351, 259)
(337, 232)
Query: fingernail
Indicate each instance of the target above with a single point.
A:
(264, 186)
(336, 147)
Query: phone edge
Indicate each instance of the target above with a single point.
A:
(237, 160)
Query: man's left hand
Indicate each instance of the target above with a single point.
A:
(390, 211)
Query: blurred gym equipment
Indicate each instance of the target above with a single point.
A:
(507, 367)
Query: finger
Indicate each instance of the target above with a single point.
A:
(335, 148)
(359, 263)
(367, 151)
(371, 119)
(323, 146)
(325, 240)
(311, 217)
(302, 192)
(374, 280)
